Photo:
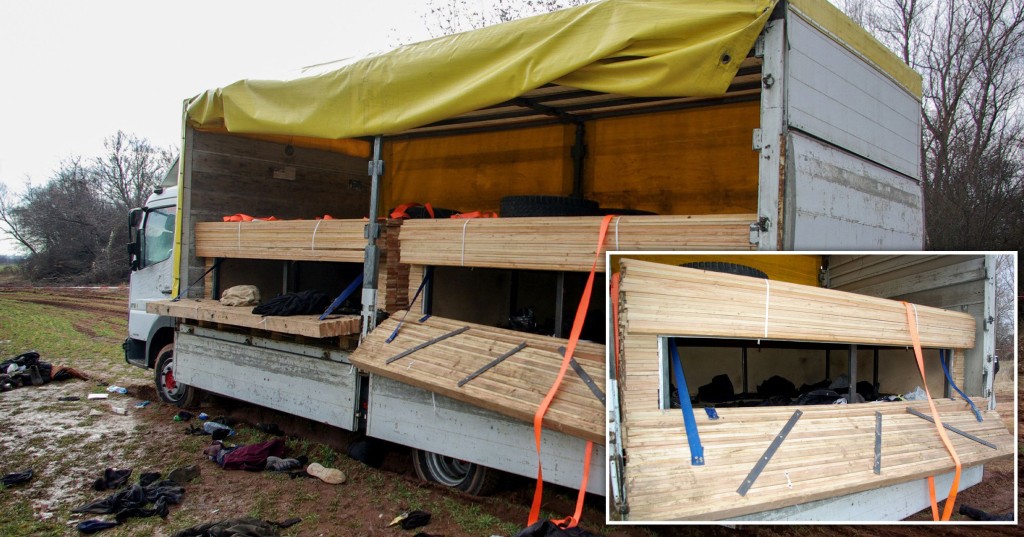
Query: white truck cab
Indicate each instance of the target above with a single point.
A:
(151, 243)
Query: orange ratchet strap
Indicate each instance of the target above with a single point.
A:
(538, 418)
(948, 508)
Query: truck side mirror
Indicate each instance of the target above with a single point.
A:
(134, 250)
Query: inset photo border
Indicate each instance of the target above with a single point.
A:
(808, 387)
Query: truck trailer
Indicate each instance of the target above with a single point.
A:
(755, 125)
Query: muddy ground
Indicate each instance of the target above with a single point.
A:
(69, 443)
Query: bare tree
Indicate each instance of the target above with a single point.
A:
(130, 169)
(971, 57)
(9, 223)
(448, 17)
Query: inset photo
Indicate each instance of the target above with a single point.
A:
(829, 387)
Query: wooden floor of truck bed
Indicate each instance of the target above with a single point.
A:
(515, 387)
(829, 452)
(213, 311)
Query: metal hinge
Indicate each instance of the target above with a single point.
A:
(375, 167)
(759, 46)
(756, 228)
(756, 144)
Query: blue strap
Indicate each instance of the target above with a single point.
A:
(426, 278)
(692, 437)
(945, 369)
(343, 296)
(712, 413)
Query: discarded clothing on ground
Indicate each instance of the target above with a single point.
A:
(547, 528)
(112, 479)
(238, 527)
(26, 369)
(132, 501)
(277, 464)
(14, 478)
(95, 525)
(251, 457)
(301, 303)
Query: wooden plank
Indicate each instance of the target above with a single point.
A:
(213, 311)
(829, 452)
(663, 300)
(562, 243)
(290, 240)
(512, 388)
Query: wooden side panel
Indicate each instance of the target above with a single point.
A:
(515, 387)
(417, 418)
(894, 502)
(226, 174)
(313, 388)
(836, 96)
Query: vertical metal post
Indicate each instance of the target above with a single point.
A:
(743, 364)
(945, 356)
(769, 138)
(828, 364)
(559, 302)
(874, 381)
(428, 291)
(579, 155)
(853, 374)
(988, 335)
(371, 259)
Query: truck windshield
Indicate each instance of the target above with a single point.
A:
(158, 238)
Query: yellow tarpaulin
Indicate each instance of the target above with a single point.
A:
(642, 48)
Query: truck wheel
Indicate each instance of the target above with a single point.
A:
(170, 391)
(451, 472)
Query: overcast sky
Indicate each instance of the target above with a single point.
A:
(73, 73)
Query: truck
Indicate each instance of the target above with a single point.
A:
(756, 125)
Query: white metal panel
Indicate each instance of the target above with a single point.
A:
(771, 134)
(834, 95)
(310, 387)
(838, 201)
(894, 502)
(417, 418)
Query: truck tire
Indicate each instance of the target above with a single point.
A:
(519, 206)
(176, 393)
(451, 472)
(726, 268)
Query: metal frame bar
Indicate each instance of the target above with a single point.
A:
(587, 379)
(954, 429)
(768, 454)
(878, 443)
(371, 257)
(425, 344)
(852, 391)
(491, 364)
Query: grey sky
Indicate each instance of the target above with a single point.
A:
(75, 72)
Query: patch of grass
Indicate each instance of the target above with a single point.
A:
(473, 520)
(261, 507)
(408, 497)
(17, 518)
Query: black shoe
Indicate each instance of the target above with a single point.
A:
(37, 379)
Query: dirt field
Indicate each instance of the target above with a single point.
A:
(69, 443)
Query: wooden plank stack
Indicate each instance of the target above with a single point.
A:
(214, 312)
(564, 243)
(287, 240)
(829, 452)
(393, 284)
(514, 387)
(665, 300)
